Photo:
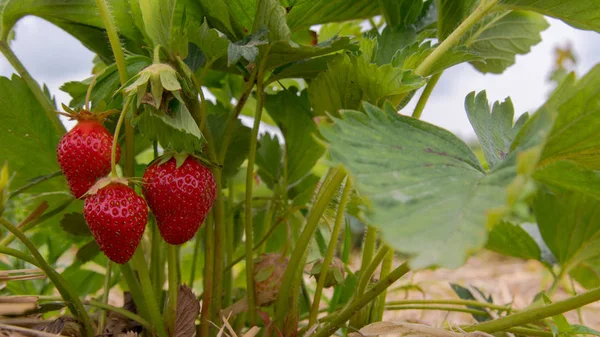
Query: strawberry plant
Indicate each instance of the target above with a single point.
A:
(163, 197)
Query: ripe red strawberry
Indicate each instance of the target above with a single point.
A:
(84, 153)
(116, 217)
(268, 275)
(179, 196)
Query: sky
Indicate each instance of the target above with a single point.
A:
(54, 57)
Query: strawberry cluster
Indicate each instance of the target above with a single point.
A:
(178, 188)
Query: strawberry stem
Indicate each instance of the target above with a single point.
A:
(139, 264)
(330, 252)
(173, 286)
(88, 94)
(113, 156)
(105, 295)
(248, 228)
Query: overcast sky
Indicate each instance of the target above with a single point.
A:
(54, 57)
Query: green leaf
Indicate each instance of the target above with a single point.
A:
(306, 69)
(466, 294)
(425, 186)
(291, 111)
(500, 37)
(81, 280)
(410, 57)
(79, 18)
(451, 13)
(494, 130)
(282, 52)
(74, 224)
(350, 80)
(391, 40)
(176, 131)
(158, 20)
(512, 240)
(271, 15)
(246, 48)
(305, 13)
(212, 42)
(401, 12)
(29, 138)
(582, 14)
(571, 155)
(239, 142)
(570, 225)
(107, 83)
(561, 322)
(576, 329)
(88, 251)
(269, 159)
(347, 28)
(216, 12)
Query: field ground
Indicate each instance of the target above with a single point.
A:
(508, 280)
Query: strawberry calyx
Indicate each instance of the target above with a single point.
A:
(180, 158)
(160, 77)
(103, 182)
(86, 115)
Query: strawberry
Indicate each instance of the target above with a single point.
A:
(268, 275)
(180, 191)
(84, 153)
(116, 216)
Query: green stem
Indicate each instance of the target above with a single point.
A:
(219, 264)
(173, 286)
(536, 314)
(209, 253)
(35, 89)
(135, 289)
(386, 267)
(121, 311)
(197, 245)
(106, 288)
(139, 264)
(359, 303)
(229, 250)
(8, 239)
(365, 275)
(484, 7)
(115, 44)
(67, 292)
(234, 116)
(368, 247)
(113, 38)
(295, 263)
(113, 155)
(314, 311)
(157, 268)
(249, 188)
(19, 255)
(436, 307)
(258, 244)
(88, 94)
(471, 303)
(425, 95)
(34, 182)
(530, 332)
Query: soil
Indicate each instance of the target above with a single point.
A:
(508, 280)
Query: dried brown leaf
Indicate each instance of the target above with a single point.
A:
(252, 332)
(411, 329)
(188, 309)
(17, 305)
(66, 326)
(119, 325)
